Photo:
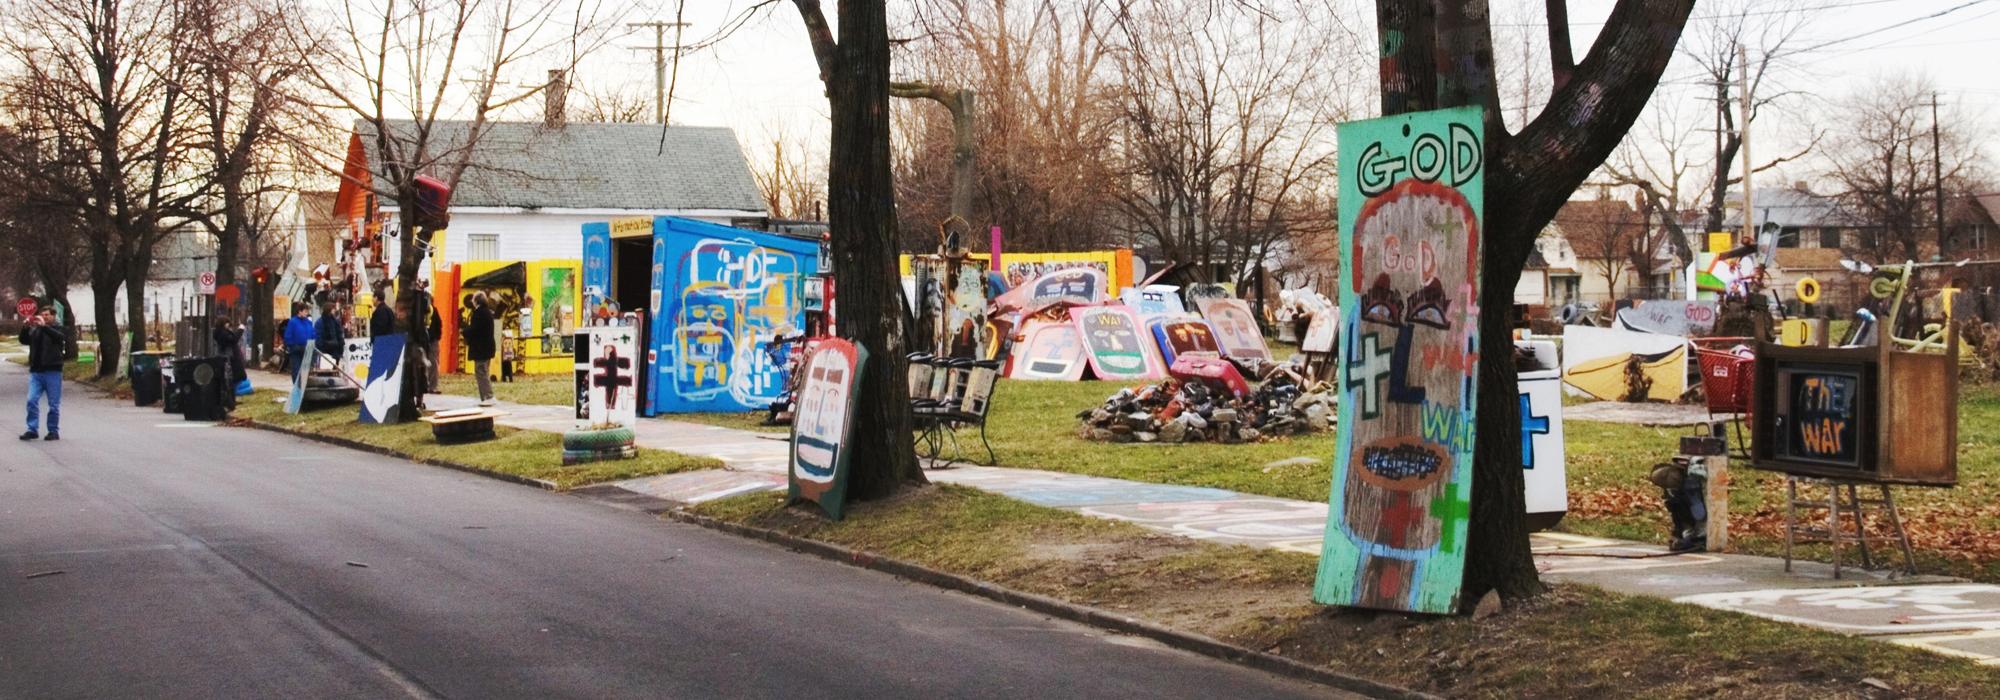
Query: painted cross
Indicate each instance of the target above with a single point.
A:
(611, 375)
(1531, 425)
(1449, 508)
(1367, 365)
(1401, 519)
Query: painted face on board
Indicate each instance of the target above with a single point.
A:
(822, 416)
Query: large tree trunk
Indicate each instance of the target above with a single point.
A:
(104, 283)
(411, 319)
(861, 210)
(1437, 55)
(135, 302)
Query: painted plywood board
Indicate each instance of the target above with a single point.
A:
(1115, 343)
(1595, 360)
(607, 377)
(720, 297)
(1235, 328)
(1542, 454)
(823, 429)
(1409, 281)
(1184, 336)
(1049, 350)
(382, 387)
(1154, 301)
(1669, 317)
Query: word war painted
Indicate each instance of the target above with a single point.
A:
(1115, 345)
(607, 376)
(1408, 335)
(825, 423)
(382, 388)
(1235, 328)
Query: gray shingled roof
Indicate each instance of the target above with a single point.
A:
(595, 166)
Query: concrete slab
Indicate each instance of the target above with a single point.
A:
(1662, 414)
(702, 486)
(1983, 647)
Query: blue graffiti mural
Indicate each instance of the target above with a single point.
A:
(720, 296)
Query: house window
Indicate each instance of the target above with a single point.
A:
(482, 246)
(1976, 237)
(1829, 237)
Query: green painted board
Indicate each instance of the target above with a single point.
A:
(1411, 194)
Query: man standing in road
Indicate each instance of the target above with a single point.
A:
(46, 344)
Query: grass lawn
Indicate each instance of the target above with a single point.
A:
(546, 389)
(1610, 645)
(1955, 531)
(528, 453)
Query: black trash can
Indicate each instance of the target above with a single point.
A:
(144, 371)
(201, 383)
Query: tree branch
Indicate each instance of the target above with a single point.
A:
(1561, 58)
(824, 48)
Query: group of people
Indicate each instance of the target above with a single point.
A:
(328, 335)
(48, 345)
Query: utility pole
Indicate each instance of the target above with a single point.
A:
(1743, 73)
(659, 49)
(1937, 175)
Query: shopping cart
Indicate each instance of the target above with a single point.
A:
(1728, 366)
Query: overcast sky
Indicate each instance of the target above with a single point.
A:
(761, 79)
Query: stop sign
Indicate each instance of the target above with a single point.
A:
(25, 307)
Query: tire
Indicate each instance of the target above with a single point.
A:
(608, 438)
(570, 457)
(333, 395)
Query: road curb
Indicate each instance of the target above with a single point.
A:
(386, 452)
(1084, 614)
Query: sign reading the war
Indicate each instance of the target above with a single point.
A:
(1117, 348)
(1407, 361)
(824, 426)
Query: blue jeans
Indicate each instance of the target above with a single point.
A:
(47, 384)
(297, 360)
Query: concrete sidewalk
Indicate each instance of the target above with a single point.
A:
(1937, 613)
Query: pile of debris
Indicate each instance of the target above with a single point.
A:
(1198, 409)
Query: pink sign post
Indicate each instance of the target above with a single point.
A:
(994, 246)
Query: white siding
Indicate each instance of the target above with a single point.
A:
(525, 235)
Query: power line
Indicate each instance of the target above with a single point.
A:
(1898, 25)
(1736, 15)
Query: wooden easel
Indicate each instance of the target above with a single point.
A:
(1833, 529)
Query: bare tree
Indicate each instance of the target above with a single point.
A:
(1882, 161)
(99, 91)
(1226, 122)
(402, 69)
(1436, 55)
(794, 181)
(861, 211)
(1609, 236)
(608, 104)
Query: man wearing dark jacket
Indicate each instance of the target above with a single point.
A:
(479, 346)
(383, 321)
(46, 345)
(433, 333)
(329, 334)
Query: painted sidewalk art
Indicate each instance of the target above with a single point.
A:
(1265, 522)
(607, 376)
(1395, 535)
(382, 388)
(1669, 317)
(729, 293)
(1595, 362)
(1115, 345)
(1184, 336)
(1154, 301)
(1049, 350)
(1235, 328)
(1542, 453)
(825, 422)
(1869, 610)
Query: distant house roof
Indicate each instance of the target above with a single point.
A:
(593, 166)
(1789, 208)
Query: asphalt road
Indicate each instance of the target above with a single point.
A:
(214, 562)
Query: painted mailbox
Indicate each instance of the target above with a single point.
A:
(824, 425)
(1409, 281)
(1117, 347)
